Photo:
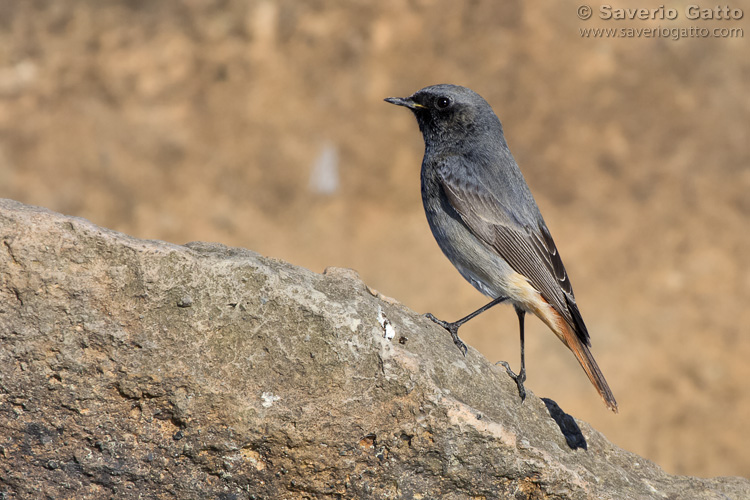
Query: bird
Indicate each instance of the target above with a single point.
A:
(485, 220)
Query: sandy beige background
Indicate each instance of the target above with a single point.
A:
(201, 120)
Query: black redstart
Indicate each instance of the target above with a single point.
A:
(486, 221)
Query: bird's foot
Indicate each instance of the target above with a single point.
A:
(518, 379)
(452, 329)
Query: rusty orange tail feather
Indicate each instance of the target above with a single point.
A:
(565, 332)
(587, 361)
(531, 300)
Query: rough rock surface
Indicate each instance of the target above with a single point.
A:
(142, 369)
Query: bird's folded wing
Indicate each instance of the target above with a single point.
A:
(527, 246)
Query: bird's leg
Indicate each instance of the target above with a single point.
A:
(453, 327)
(521, 377)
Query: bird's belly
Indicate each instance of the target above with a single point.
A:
(489, 273)
(478, 264)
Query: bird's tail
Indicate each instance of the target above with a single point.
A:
(533, 301)
(587, 361)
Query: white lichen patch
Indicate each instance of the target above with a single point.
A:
(388, 331)
(269, 399)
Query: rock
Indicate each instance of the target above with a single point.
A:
(143, 369)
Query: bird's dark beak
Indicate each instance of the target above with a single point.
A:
(404, 101)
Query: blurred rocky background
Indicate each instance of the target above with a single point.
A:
(261, 124)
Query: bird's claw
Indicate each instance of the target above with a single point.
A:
(452, 329)
(518, 379)
(440, 322)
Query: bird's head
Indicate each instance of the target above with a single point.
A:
(450, 114)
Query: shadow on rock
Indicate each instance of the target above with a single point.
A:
(567, 425)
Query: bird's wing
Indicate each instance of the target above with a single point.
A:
(526, 245)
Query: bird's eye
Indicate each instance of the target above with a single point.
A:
(443, 102)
